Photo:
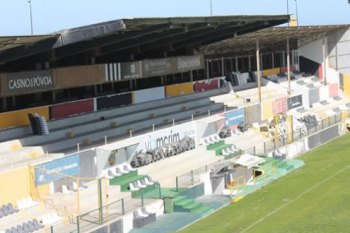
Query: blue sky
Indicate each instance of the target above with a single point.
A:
(54, 15)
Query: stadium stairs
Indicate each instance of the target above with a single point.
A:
(183, 203)
(90, 129)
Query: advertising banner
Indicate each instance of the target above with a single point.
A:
(166, 136)
(50, 171)
(333, 90)
(148, 95)
(280, 105)
(113, 101)
(131, 70)
(149, 141)
(189, 63)
(234, 117)
(205, 85)
(295, 102)
(24, 82)
(156, 67)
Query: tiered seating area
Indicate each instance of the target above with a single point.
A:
(25, 227)
(130, 181)
(92, 128)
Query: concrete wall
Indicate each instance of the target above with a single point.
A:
(312, 51)
(15, 185)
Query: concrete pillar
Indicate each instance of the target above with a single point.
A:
(222, 66)
(191, 75)
(13, 101)
(95, 90)
(207, 68)
(53, 96)
(325, 59)
(258, 68)
(273, 59)
(288, 66)
(4, 104)
(236, 60)
(231, 62)
(249, 63)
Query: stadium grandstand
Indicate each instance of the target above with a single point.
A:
(151, 124)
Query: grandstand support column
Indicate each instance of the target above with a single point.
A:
(249, 63)
(231, 63)
(236, 60)
(283, 59)
(207, 68)
(95, 90)
(258, 68)
(130, 85)
(4, 104)
(53, 96)
(222, 66)
(191, 75)
(13, 101)
(325, 59)
(273, 59)
(288, 65)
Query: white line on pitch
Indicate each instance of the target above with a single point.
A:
(293, 200)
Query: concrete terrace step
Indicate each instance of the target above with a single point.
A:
(179, 198)
(184, 202)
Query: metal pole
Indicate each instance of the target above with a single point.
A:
(173, 122)
(105, 140)
(288, 66)
(297, 12)
(211, 7)
(288, 8)
(78, 147)
(258, 68)
(31, 16)
(153, 127)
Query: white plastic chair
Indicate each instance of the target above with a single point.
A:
(133, 188)
(224, 152)
(217, 138)
(75, 186)
(141, 214)
(148, 181)
(115, 172)
(140, 185)
(20, 204)
(207, 141)
(129, 167)
(28, 202)
(65, 189)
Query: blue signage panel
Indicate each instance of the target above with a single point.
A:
(234, 117)
(48, 172)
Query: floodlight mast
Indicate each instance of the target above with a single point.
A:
(31, 16)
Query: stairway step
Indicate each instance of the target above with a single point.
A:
(179, 198)
(184, 202)
(192, 205)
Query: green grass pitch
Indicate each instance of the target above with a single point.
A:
(313, 199)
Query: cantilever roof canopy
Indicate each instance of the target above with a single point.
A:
(141, 37)
(270, 39)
